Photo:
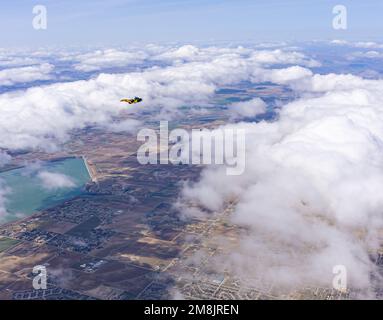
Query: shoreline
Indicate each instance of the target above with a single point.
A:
(92, 176)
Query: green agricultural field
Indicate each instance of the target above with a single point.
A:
(6, 243)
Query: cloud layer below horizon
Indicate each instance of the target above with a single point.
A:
(309, 198)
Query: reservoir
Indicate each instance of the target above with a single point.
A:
(27, 193)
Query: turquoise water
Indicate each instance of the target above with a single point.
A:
(27, 193)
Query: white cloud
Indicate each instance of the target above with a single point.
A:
(283, 57)
(11, 76)
(186, 53)
(360, 44)
(54, 180)
(249, 108)
(16, 58)
(288, 75)
(368, 45)
(339, 42)
(108, 58)
(368, 55)
(190, 53)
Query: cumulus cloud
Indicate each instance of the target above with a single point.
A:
(290, 75)
(54, 180)
(368, 45)
(368, 55)
(308, 199)
(14, 58)
(184, 53)
(339, 42)
(250, 108)
(360, 44)
(190, 53)
(108, 58)
(11, 76)
(283, 57)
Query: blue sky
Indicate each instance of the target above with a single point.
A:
(122, 22)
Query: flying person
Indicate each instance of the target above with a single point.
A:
(132, 101)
